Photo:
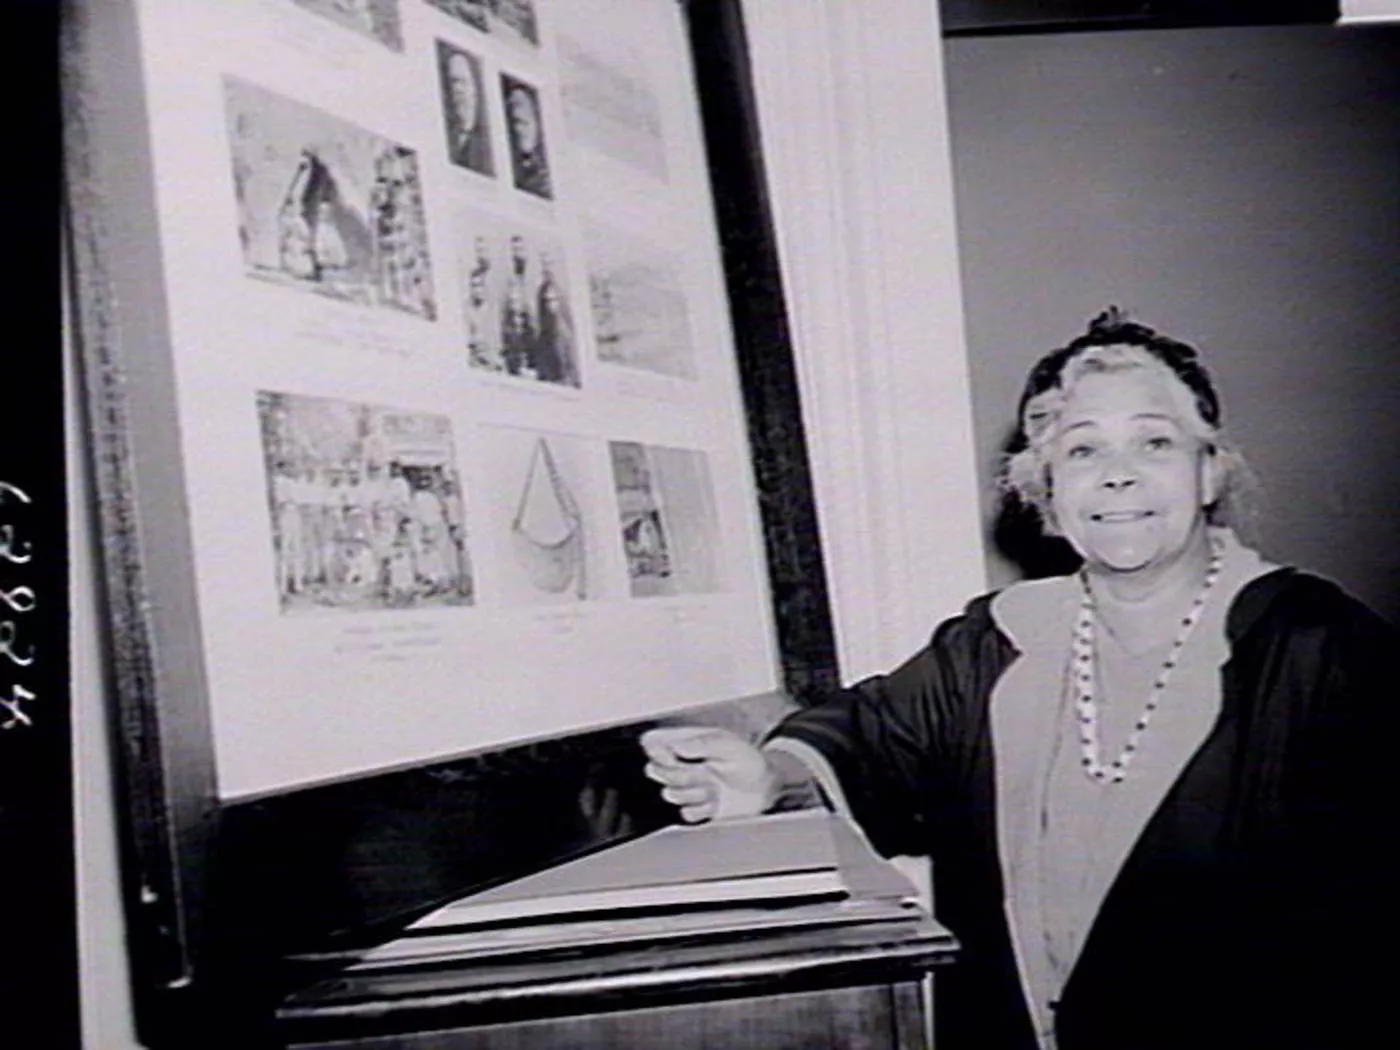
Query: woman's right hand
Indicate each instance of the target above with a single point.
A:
(711, 774)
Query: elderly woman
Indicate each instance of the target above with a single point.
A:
(1158, 791)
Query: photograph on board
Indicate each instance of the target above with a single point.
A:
(366, 505)
(469, 12)
(610, 105)
(513, 20)
(376, 19)
(669, 526)
(529, 157)
(325, 205)
(464, 110)
(539, 504)
(638, 302)
(515, 300)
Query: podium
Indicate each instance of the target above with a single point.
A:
(778, 931)
(846, 987)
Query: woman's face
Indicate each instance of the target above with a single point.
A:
(1129, 479)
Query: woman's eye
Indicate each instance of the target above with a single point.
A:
(1079, 451)
(1160, 443)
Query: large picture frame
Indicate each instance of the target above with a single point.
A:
(393, 231)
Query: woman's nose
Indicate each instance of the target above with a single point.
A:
(1118, 474)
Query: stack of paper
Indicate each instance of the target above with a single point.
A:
(808, 868)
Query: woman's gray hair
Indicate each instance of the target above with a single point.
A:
(1113, 343)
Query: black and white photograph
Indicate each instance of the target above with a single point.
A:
(668, 524)
(366, 504)
(377, 19)
(610, 105)
(529, 157)
(326, 206)
(464, 110)
(708, 524)
(469, 12)
(515, 294)
(543, 516)
(641, 318)
(514, 20)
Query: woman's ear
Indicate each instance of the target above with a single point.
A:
(1212, 476)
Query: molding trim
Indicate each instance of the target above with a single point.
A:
(854, 127)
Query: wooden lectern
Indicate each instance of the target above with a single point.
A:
(779, 931)
(846, 988)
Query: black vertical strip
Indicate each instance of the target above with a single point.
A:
(163, 751)
(38, 900)
(768, 376)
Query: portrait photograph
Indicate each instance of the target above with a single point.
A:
(376, 19)
(326, 206)
(529, 158)
(668, 523)
(464, 109)
(366, 506)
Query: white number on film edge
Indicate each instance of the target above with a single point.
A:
(7, 638)
(21, 599)
(18, 695)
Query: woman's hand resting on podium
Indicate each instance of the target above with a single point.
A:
(711, 774)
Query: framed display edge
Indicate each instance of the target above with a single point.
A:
(181, 850)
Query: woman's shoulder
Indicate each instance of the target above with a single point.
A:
(1014, 617)
(1291, 599)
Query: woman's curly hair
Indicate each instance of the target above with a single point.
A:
(1108, 345)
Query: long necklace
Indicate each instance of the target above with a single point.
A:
(1087, 705)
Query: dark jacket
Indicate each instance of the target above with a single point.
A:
(1258, 906)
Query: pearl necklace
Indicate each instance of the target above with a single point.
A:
(1087, 706)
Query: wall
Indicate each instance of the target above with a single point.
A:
(1238, 188)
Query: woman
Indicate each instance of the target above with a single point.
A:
(1158, 792)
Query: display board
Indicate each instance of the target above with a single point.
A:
(452, 376)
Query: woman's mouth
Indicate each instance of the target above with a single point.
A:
(1115, 517)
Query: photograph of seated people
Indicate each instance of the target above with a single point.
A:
(1159, 792)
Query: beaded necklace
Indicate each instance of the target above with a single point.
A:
(1087, 706)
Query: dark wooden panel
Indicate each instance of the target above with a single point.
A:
(348, 864)
(967, 17)
(475, 993)
(859, 1018)
(763, 346)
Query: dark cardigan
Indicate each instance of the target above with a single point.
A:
(1257, 906)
